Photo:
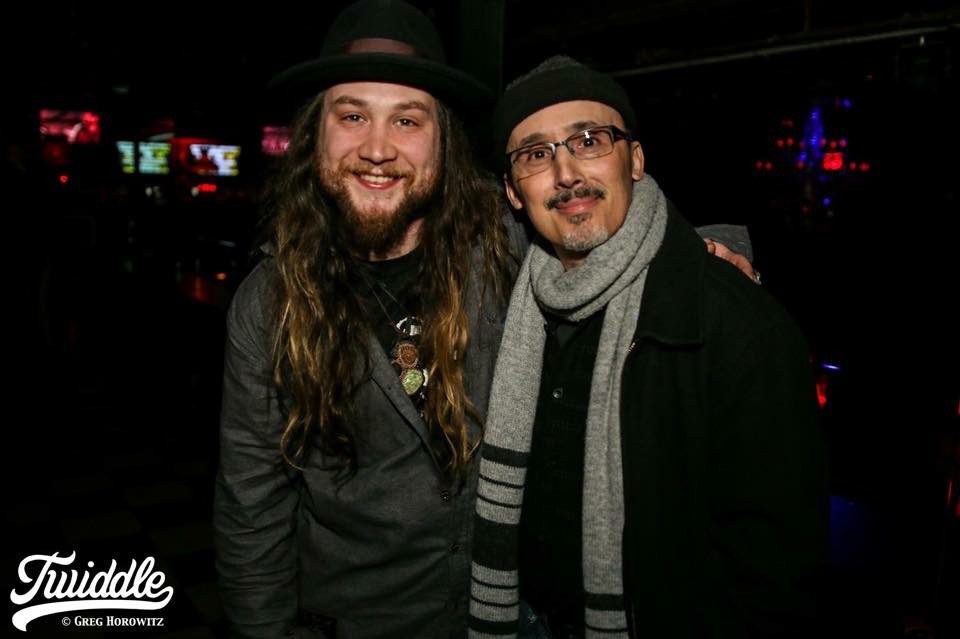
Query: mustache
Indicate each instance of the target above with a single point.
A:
(581, 191)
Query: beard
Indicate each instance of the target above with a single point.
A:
(581, 236)
(375, 230)
(584, 238)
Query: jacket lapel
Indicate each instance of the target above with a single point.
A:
(386, 378)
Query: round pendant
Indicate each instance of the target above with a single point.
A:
(411, 380)
(406, 354)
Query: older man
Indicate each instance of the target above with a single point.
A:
(652, 465)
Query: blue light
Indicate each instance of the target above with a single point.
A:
(826, 201)
(813, 131)
(847, 103)
(830, 367)
(857, 537)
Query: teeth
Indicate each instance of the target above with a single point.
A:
(376, 179)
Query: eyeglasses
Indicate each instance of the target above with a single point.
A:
(585, 145)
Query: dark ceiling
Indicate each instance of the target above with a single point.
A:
(215, 57)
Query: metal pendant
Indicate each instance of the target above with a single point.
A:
(409, 326)
(406, 354)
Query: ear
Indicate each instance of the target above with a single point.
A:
(512, 194)
(636, 161)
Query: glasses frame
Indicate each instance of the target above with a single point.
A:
(616, 134)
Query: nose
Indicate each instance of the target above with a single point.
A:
(566, 169)
(377, 146)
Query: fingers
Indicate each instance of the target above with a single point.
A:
(738, 260)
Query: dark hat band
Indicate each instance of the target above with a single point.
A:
(380, 45)
(382, 41)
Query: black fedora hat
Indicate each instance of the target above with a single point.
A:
(383, 41)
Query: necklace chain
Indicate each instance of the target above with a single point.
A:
(405, 352)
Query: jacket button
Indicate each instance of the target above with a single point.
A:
(557, 393)
(444, 496)
(455, 548)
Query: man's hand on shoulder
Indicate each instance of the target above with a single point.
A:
(738, 260)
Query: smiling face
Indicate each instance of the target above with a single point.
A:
(576, 204)
(378, 157)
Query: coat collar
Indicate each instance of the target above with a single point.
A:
(671, 311)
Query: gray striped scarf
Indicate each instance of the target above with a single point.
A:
(611, 276)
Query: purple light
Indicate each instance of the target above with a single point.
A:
(826, 201)
(847, 103)
(813, 133)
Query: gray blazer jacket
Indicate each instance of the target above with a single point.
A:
(384, 555)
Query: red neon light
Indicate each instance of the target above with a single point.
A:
(768, 165)
(801, 164)
(196, 288)
(823, 141)
(853, 166)
(833, 161)
(779, 144)
(789, 141)
(220, 277)
(72, 126)
(206, 187)
(843, 143)
(822, 391)
(833, 144)
(64, 179)
(758, 164)
(864, 166)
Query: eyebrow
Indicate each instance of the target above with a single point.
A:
(576, 127)
(401, 106)
(412, 104)
(348, 99)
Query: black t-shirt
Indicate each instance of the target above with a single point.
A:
(390, 293)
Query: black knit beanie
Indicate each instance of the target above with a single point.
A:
(557, 79)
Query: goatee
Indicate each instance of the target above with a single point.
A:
(378, 232)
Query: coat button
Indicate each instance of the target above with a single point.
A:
(444, 496)
(557, 393)
(455, 548)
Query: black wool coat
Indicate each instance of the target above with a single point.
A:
(726, 497)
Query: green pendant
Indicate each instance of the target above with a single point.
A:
(412, 379)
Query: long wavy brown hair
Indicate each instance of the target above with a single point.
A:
(320, 332)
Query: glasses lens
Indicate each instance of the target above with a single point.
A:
(591, 143)
(532, 159)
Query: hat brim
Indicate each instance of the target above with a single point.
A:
(456, 88)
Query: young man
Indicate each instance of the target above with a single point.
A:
(359, 355)
(651, 465)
